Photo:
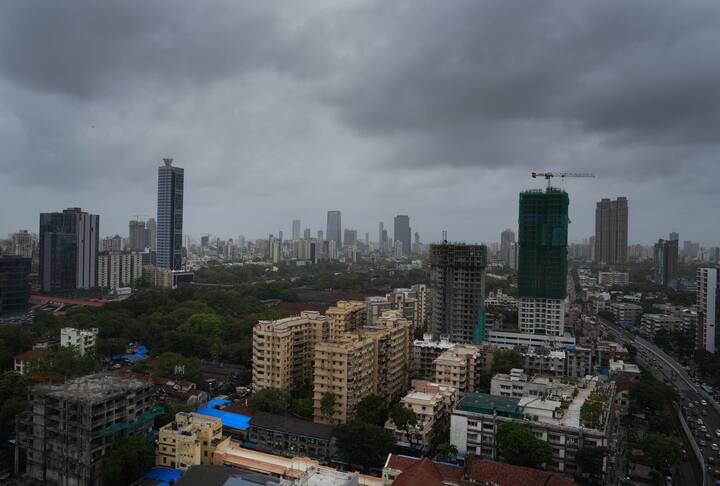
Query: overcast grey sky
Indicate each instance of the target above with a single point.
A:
(436, 109)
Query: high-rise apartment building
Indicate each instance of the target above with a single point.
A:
(283, 350)
(457, 288)
(138, 235)
(119, 269)
(296, 229)
(170, 215)
(708, 314)
(346, 316)
(68, 250)
(666, 262)
(611, 231)
(151, 228)
(334, 228)
(350, 237)
(14, 284)
(402, 233)
(23, 244)
(507, 239)
(674, 236)
(393, 333)
(542, 261)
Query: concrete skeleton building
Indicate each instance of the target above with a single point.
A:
(119, 269)
(190, 439)
(69, 428)
(457, 283)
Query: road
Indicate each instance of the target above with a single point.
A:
(665, 368)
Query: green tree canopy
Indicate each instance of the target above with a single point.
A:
(446, 451)
(404, 419)
(327, 404)
(520, 447)
(504, 360)
(651, 394)
(272, 400)
(661, 451)
(127, 460)
(362, 443)
(590, 460)
(372, 410)
(165, 365)
(13, 400)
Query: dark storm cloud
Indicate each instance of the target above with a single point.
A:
(280, 110)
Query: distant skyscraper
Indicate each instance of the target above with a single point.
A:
(334, 228)
(350, 237)
(68, 250)
(674, 236)
(402, 232)
(205, 241)
(417, 237)
(381, 232)
(666, 262)
(170, 215)
(542, 261)
(138, 236)
(457, 282)
(321, 235)
(708, 312)
(306, 234)
(151, 228)
(296, 229)
(611, 231)
(14, 284)
(507, 238)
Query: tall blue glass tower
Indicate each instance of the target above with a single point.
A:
(170, 216)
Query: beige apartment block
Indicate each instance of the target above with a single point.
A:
(460, 366)
(347, 368)
(346, 315)
(393, 334)
(189, 440)
(283, 350)
(431, 403)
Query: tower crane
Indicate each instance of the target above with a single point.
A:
(549, 175)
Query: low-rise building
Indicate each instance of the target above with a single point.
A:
(624, 311)
(23, 362)
(518, 384)
(543, 361)
(621, 369)
(650, 324)
(424, 353)
(565, 426)
(290, 436)
(82, 340)
(189, 440)
(431, 403)
(402, 470)
(614, 279)
(461, 366)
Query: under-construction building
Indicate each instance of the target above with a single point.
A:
(457, 282)
(542, 260)
(68, 428)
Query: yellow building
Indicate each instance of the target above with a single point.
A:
(347, 368)
(373, 359)
(346, 315)
(189, 440)
(283, 350)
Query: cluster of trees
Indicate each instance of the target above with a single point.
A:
(504, 360)
(128, 459)
(282, 402)
(680, 343)
(709, 366)
(519, 446)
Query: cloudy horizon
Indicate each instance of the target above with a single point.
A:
(285, 110)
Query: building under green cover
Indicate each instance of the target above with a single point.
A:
(486, 404)
(542, 238)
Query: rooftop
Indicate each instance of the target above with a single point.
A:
(423, 471)
(484, 471)
(91, 387)
(291, 424)
(486, 403)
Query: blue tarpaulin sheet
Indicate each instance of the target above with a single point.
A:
(164, 474)
(229, 419)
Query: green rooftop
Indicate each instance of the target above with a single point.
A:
(486, 403)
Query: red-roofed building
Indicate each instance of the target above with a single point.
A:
(408, 471)
(501, 474)
(23, 360)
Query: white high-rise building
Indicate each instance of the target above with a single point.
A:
(707, 303)
(296, 229)
(542, 316)
(117, 269)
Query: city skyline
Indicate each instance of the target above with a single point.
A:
(340, 120)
